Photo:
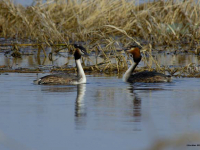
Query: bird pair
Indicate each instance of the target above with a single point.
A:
(144, 76)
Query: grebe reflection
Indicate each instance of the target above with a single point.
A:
(136, 104)
(80, 109)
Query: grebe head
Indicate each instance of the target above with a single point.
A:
(135, 53)
(79, 50)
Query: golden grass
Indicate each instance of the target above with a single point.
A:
(101, 20)
(104, 25)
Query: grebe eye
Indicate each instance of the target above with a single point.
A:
(82, 51)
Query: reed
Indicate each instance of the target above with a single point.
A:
(104, 25)
(96, 21)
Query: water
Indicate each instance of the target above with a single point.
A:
(59, 60)
(105, 113)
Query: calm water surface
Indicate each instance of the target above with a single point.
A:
(31, 61)
(105, 113)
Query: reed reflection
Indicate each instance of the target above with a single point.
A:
(29, 58)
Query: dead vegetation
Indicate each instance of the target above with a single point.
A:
(102, 22)
(103, 27)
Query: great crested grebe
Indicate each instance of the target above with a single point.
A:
(67, 78)
(144, 76)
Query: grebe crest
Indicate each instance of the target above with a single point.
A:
(144, 76)
(67, 78)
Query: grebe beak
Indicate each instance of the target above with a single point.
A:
(85, 54)
(128, 50)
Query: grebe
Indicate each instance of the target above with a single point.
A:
(144, 76)
(67, 78)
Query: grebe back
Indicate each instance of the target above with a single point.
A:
(144, 76)
(67, 78)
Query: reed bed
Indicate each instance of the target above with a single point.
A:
(104, 27)
(102, 21)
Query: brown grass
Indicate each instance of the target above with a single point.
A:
(104, 25)
(102, 21)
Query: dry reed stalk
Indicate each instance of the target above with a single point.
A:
(56, 22)
(100, 22)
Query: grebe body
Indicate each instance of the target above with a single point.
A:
(144, 76)
(149, 77)
(67, 79)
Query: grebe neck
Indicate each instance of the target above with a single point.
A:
(80, 71)
(129, 72)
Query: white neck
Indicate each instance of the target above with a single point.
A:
(129, 72)
(80, 71)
